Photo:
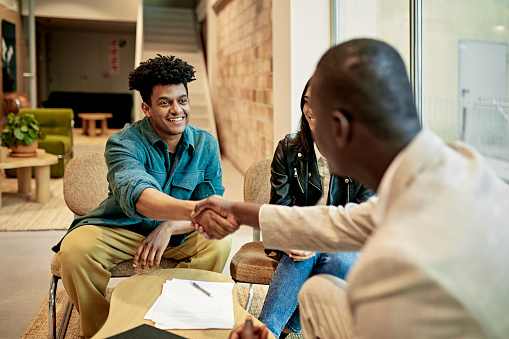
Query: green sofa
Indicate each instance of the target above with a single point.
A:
(58, 125)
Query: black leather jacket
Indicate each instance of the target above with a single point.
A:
(296, 181)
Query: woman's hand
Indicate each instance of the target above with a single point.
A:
(300, 255)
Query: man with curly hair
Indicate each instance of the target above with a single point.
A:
(157, 168)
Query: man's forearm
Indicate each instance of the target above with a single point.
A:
(159, 206)
(177, 227)
(247, 213)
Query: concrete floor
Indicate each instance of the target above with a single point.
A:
(26, 258)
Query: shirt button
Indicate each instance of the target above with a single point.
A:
(347, 181)
(299, 155)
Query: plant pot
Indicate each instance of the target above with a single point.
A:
(25, 150)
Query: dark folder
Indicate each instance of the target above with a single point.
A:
(145, 331)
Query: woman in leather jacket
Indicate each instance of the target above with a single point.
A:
(300, 177)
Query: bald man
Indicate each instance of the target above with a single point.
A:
(434, 242)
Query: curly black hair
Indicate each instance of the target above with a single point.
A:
(160, 70)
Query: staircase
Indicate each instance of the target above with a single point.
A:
(172, 31)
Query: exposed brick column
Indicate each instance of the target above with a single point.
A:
(244, 107)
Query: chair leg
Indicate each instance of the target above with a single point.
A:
(250, 297)
(52, 312)
(52, 318)
(65, 320)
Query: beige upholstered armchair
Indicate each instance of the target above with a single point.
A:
(251, 264)
(85, 187)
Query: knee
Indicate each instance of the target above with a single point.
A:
(221, 248)
(319, 287)
(77, 247)
(216, 252)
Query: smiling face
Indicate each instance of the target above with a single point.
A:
(308, 112)
(168, 111)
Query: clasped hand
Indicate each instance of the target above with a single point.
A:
(213, 218)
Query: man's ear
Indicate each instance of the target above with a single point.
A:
(341, 128)
(145, 108)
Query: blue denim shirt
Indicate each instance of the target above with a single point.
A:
(137, 159)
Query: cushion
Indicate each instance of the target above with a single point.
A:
(56, 144)
(252, 265)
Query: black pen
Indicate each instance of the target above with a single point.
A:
(201, 289)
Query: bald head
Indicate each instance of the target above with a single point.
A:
(364, 109)
(367, 80)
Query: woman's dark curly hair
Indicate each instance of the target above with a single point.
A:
(160, 70)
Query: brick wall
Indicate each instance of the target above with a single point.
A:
(243, 102)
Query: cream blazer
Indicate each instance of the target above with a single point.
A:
(435, 245)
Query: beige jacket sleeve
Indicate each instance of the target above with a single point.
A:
(317, 228)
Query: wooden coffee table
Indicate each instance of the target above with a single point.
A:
(41, 162)
(89, 120)
(133, 297)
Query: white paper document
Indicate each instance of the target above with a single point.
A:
(184, 306)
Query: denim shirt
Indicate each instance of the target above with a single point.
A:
(137, 159)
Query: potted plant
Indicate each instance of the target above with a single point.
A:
(21, 133)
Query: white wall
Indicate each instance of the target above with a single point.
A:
(358, 19)
(13, 5)
(104, 10)
(387, 20)
(301, 35)
(205, 10)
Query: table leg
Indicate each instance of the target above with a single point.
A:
(24, 179)
(1, 190)
(91, 128)
(84, 124)
(42, 180)
(104, 125)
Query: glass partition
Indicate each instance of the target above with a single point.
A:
(387, 20)
(465, 74)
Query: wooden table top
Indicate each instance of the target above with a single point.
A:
(133, 297)
(95, 116)
(41, 159)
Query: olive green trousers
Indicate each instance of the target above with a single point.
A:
(89, 252)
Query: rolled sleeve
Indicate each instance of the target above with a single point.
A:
(213, 171)
(127, 188)
(127, 175)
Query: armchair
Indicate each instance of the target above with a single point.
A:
(58, 125)
(85, 187)
(251, 264)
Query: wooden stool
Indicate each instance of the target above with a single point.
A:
(89, 122)
(41, 162)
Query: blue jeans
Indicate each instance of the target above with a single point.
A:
(280, 308)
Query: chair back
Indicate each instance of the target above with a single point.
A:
(257, 182)
(58, 121)
(257, 186)
(85, 183)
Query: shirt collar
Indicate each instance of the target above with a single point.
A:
(186, 141)
(318, 154)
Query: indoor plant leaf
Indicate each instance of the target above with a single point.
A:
(28, 140)
(18, 134)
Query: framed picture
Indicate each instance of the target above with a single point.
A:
(9, 56)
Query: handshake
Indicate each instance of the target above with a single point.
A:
(216, 217)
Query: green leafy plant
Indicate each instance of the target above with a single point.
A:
(22, 129)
